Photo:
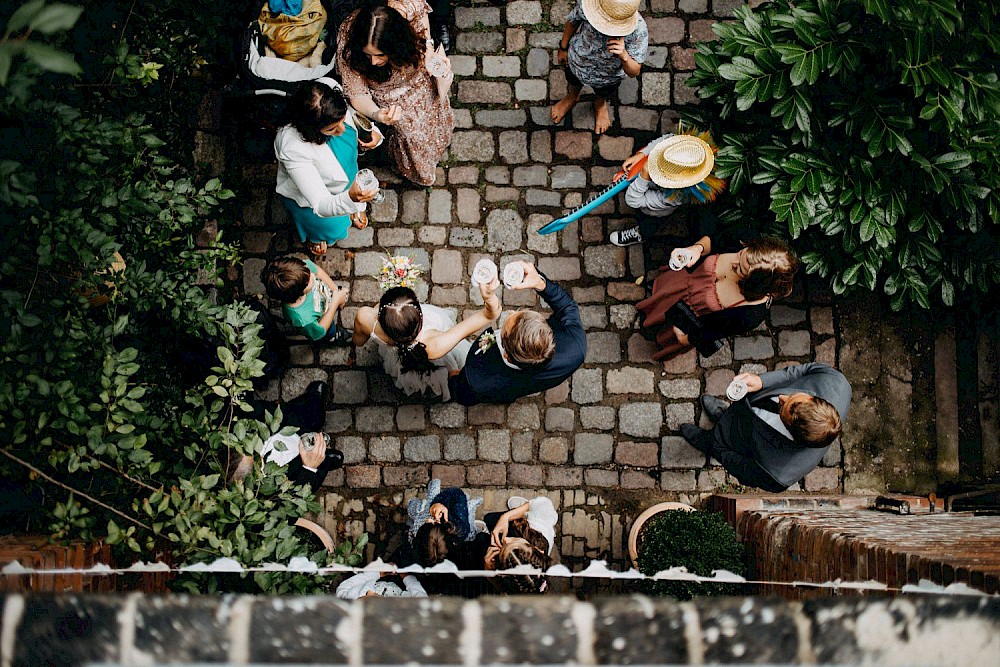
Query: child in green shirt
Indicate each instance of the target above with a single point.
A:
(310, 298)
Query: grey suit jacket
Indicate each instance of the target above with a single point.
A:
(740, 434)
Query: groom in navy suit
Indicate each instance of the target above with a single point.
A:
(527, 353)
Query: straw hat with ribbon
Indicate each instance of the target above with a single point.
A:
(615, 18)
(680, 162)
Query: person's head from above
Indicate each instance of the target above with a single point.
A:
(680, 161)
(517, 551)
(432, 543)
(614, 18)
(812, 421)
(765, 268)
(287, 279)
(527, 338)
(401, 320)
(380, 40)
(318, 111)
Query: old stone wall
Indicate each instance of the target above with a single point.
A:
(138, 630)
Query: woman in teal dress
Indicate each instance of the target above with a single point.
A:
(317, 165)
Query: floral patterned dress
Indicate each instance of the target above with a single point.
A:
(420, 138)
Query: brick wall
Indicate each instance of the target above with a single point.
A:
(858, 545)
(73, 630)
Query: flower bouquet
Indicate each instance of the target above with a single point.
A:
(398, 271)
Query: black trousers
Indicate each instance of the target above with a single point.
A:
(440, 12)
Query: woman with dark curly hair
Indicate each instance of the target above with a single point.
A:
(393, 74)
(317, 163)
(421, 344)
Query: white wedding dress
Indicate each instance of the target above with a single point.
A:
(436, 381)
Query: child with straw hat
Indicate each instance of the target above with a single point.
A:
(603, 42)
(679, 170)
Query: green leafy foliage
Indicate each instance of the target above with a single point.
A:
(699, 541)
(101, 284)
(38, 18)
(867, 132)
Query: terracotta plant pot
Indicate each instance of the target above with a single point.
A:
(633, 534)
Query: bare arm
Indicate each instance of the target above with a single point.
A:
(440, 344)
(364, 323)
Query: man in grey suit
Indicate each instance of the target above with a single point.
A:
(780, 430)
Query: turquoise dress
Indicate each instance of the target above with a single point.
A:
(315, 228)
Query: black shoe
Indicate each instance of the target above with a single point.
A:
(698, 438)
(714, 407)
(334, 459)
(342, 337)
(317, 387)
(442, 37)
(626, 237)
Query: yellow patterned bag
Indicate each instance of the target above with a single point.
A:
(293, 37)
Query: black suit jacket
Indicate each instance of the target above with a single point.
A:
(487, 379)
(756, 453)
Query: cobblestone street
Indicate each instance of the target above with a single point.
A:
(605, 444)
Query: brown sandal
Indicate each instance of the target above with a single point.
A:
(316, 248)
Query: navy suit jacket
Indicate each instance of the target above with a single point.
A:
(757, 454)
(487, 379)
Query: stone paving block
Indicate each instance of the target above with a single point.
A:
(524, 12)
(449, 296)
(513, 146)
(823, 479)
(545, 40)
(410, 418)
(414, 206)
(632, 118)
(589, 294)
(478, 42)
(542, 198)
(568, 177)
(557, 394)
(639, 454)
(465, 237)
(363, 477)
(594, 317)
(350, 387)
(523, 416)
(600, 478)
(448, 415)
(563, 476)
(439, 207)
(793, 343)
(692, 6)
(724, 357)
(540, 147)
(459, 448)
(522, 447)
(501, 66)
(469, 212)
(471, 91)
(597, 417)
(700, 30)
(422, 448)
(503, 227)
(656, 88)
(517, 39)
(615, 148)
(295, 381)
(252, 267)
(656, 57)
(384, 448)
(450, 475)
(605, 261)
(755, 347)
(553, 450)
(390, 238)
(464, 175)
(537, 62)
(624, 316)
(640, 350)
(711, 479)
(353, 448)
(683, 93)
(530, 476)
(462, 66)
(677, 414)
(336, 421)
(468, 17)
(628, 92)
(591, 448)
(303, 355)
(678, 480)
(642, 420)
(507, 118)
(637, 479)
(498, 175)
(675, 452)
(494, 445)
(487, 474)
(407, 476)
(725, 8)
(463, 121)
(473, 146)
(575, 145)
(603, 347)
(374, 419)
(630, 380)
(446, 267)
(826, 352)
(559, 419)
(684, 388)
(486, 413)
(560, 268)
(530, 90)
(784, 316)
(627, 291)
(821, 320)
(534, 175)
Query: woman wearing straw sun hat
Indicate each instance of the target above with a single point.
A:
(679, 170)
(603, 42)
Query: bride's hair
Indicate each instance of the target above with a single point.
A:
(401, 319)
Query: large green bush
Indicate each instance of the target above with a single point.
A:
(92, 406)
(699, 541)
(868, 130)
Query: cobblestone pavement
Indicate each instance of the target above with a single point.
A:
(605, 444)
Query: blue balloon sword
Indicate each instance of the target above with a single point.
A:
(620, 181)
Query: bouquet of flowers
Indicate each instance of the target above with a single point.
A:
(398, 271)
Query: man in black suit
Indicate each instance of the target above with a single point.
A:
(527, 353)
(780, 430)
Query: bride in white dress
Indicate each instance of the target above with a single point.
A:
(420, 344)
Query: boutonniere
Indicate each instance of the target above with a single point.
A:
(486, 341)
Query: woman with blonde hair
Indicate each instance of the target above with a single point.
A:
(702, 297)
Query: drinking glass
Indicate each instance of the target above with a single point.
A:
(367, 180)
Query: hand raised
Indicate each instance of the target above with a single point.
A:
(752, 380)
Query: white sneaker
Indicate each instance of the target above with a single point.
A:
(626, 237)
(515, 501)
(480, 526)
